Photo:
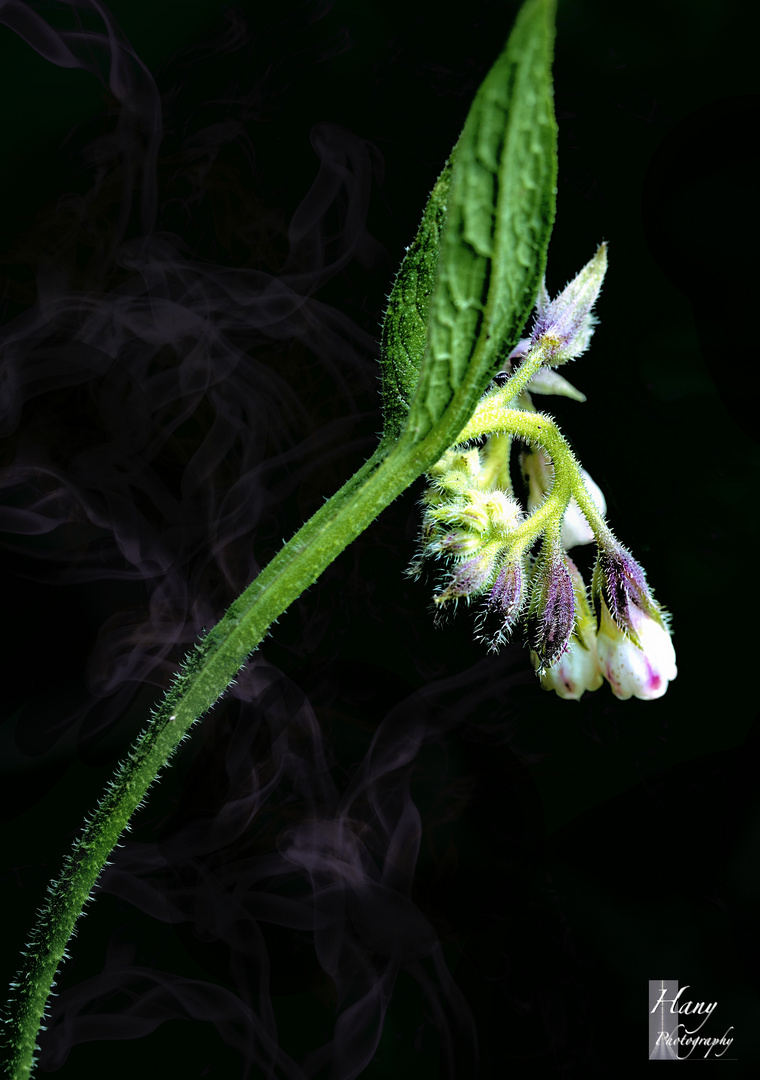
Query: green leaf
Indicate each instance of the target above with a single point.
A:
(405, 325)
(492, 251)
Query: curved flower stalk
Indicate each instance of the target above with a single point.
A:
(513, 559)
(538, 474)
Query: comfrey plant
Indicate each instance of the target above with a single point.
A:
(473, 522)
(453, 329)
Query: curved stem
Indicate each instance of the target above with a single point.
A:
(491, 417)
(520, 378)
(207, 672)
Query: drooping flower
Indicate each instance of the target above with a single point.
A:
(577, 670)
(636, 654)
(632, 670)
(474, 525)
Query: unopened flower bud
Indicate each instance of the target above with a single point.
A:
(458, 544)
(563, 327)
(504, 513)
(551, 614)
(456, 471)
(620, 582)
(504, 603)
(469, 578)
(469, 511)
(486, 513)
(578, 668)
(642, 670)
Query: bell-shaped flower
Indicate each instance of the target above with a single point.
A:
(640, 670)
(563, 327)
(577, 671)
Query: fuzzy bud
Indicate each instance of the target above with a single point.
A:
(504, 603)
(456, 471)
(551, 614)
(620, 584)
(563, 327)
(469, 578)
(578, 668)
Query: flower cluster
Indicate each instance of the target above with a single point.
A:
(513, 558)
(471, 524)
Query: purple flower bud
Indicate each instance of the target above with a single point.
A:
(469, 579)
(563, 326)
(621, 582)
(458, 544)
(504, 603)
(577, 670)
(551, 615)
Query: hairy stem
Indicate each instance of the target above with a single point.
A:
(207, 672)
(492, 417)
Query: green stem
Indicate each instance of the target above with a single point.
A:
(207, 672)
(491, 417)
(518, 381)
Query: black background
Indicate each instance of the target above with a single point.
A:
(569, 852)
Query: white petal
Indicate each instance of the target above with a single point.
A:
(631, 671)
